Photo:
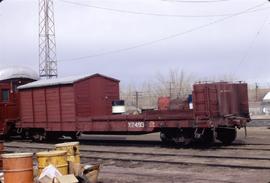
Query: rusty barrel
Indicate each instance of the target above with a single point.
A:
(18, 167)
(56, 158)
(73, 150)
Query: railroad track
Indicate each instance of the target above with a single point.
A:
(138, 143)
(226, 157)
(154, 143)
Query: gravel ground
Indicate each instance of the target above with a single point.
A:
(255, 145)
(132, 172)
(259, 123)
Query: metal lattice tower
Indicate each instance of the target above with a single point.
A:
(47, 44)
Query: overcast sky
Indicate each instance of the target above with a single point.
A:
(204, 38)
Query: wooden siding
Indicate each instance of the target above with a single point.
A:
(26, 106)
(51, 108)
(56, 108)
(94, 96)
(39, 104)
(68, 104)
(53, 104)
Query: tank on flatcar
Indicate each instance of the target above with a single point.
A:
(10, 79)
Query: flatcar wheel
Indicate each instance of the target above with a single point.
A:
(226, 135)
(37, 136)
(208, 137)
(52, 136)
(75, 136)
(165, 138)
(25, 134)
(188, 134)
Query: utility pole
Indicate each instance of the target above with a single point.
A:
(170, 89)
(47, 44)
(137, 94)
(256, 92)
(137, 99)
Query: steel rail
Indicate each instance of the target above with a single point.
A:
(137, 157)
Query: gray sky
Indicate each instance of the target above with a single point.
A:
(211, 46)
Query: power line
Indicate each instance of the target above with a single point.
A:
(161, 39)
(145, 13)
(251, 45)
(201, 1)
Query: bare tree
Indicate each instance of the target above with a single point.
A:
(175, 84)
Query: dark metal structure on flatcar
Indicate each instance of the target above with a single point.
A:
(75, 105)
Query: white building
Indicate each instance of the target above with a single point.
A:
(266, 104)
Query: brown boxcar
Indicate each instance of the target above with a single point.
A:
(56, 104)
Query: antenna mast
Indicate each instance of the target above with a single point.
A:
(47, 44)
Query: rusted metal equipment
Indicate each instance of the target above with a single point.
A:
(163, 103)
(220, 100)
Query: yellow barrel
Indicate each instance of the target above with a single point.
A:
(55, 158)
(18, 167)
(73, 150)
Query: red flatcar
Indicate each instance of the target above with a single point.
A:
(75, 105)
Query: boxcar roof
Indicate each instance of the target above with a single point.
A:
(62, 81)
(18, 72)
